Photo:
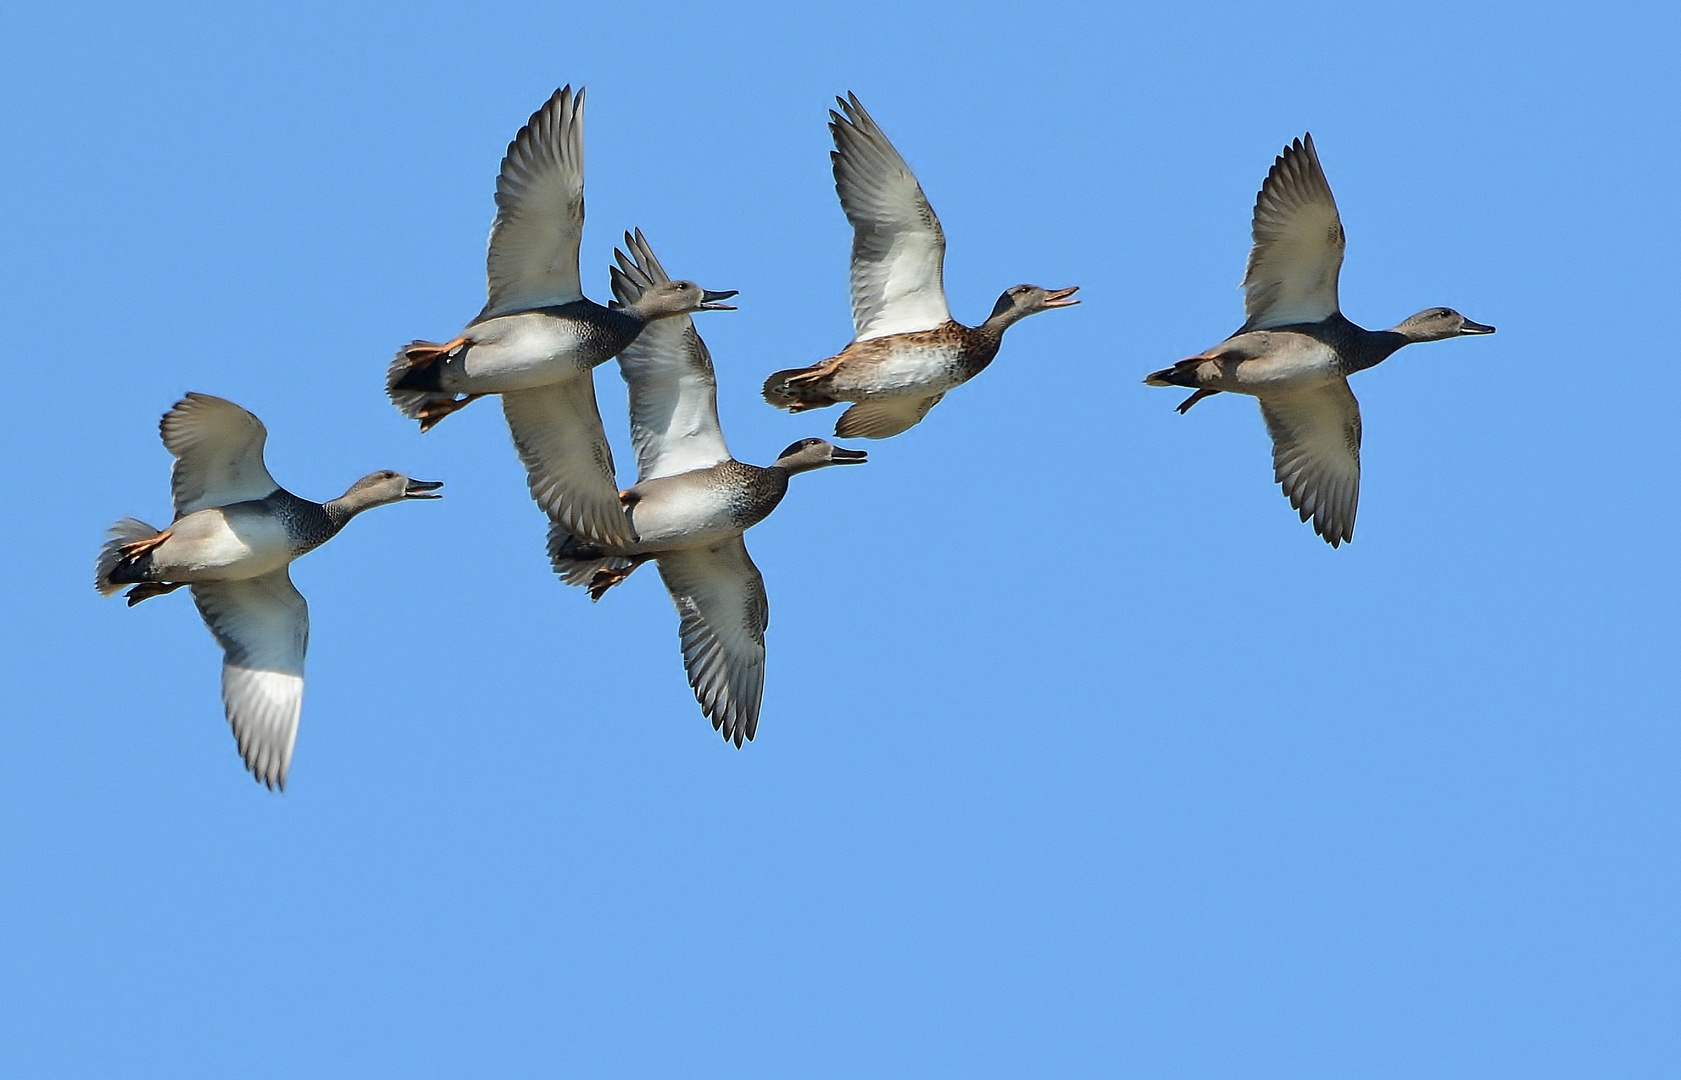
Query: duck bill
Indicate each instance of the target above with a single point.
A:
(1476, 328)
(840, 455)
(1060, 297)
(423, 489)
(709, 300)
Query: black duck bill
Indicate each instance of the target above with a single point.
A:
(423, 489)
(711, 301)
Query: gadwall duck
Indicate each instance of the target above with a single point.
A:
(907, 350)
(1297, 350)
(538, 338)
(234, 534)
(689, 508)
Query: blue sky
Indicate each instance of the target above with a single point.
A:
(1079, 756)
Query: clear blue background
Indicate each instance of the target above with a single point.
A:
(1080, 756)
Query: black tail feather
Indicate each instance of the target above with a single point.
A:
(796, 397)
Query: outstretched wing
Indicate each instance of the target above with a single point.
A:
(262, 624)
(673, 390)
(569, 466)
(218, 450)
(720, 598)
(898, 247)
(1316, 455)
(1293, 267)
(533, 256)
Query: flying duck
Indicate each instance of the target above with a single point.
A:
(235, 532)
(907, 351)
(538, 338)
(689, 508)
(1296, 351)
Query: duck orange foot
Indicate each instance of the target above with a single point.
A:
(433, 412)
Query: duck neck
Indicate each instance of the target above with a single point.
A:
(643, 315)
(995, 326)
(339, 511)
(1374, 347)
(982, 341)
(310, 524)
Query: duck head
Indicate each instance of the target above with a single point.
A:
(808, 454)
(379, 488)
(664, 299)
(1024, 300)
(1439, 324)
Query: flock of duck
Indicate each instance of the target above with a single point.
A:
(539, 339)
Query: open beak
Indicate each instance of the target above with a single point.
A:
(709, 300)
(840, 455)
(1059, 297)
(1475, 328)
(423, 489)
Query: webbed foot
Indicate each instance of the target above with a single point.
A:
(1184, 406)
(421, 354)
(433, 412)
(821, 371)
(608, 577)
(148, 589)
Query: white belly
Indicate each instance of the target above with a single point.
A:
(917, 371)
(211, 545)
(518, 352)
(669, 516)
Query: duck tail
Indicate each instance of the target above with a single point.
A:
(412, 380)
(1184, 373)
(795, 397)
(577, 562)
(117, 567)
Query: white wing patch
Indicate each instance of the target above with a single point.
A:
(262, 624)
(673, 388)
(218, 449)
(1293, 267)
(898, 247)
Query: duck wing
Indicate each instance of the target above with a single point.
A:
(883, 417)
(1316, 454)
(673, 389)
(533, 256)
(218, 449)
(568, 464)
(1292, 273)
(720, 598)
(898, 247)
(262, 624)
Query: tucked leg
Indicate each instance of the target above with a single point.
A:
(607, 578)
(1184, 406)
(421, 354)
(435, 409)
(148, 589)
(136, 548)
(821, 371)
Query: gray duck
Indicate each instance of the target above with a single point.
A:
(691, 503)
(235, 533)
(1296, 350)
(539, 338)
